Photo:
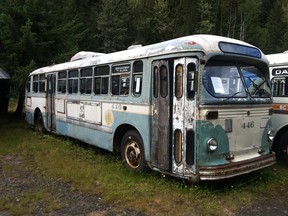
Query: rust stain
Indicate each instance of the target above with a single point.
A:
(109, 117)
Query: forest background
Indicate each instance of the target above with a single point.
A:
(37, 33)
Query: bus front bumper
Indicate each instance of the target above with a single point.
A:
(236, 168)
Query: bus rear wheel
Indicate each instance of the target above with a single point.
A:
(282, 154)
(39, 124)
(132, 151)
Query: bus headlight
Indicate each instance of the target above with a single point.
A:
(212, 144)
(270, 135)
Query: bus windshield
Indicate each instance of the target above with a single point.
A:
(228, 80)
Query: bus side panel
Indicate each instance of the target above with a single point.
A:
(140, 121)
(84, 123)
(33, 103)
(206, 131)
(280, 114)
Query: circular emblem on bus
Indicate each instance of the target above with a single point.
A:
(109, 117)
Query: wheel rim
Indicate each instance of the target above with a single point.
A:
(132, 154)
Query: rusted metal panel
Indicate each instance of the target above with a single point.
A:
(160, 128)
(235, 169)
(160, 140)
(184, 119)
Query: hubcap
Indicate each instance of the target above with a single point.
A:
(132, 154)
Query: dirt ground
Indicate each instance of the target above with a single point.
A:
(17, 180)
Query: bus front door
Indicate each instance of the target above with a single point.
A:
(183, 117)
(161, 115)
(51, 85)
(174, 125)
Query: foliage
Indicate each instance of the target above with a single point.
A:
(46, 32)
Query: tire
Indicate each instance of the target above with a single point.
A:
(282, 153)
(132, 151)
(39, 124)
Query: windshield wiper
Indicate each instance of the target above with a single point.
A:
(257, 88)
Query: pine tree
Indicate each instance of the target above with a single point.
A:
(112, 25)
(276, 28)
(252, 28)
(205, 25)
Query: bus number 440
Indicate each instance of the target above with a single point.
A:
(248, 125)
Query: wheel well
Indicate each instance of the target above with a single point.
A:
(36, 113)
(277, 138)
(118, 135)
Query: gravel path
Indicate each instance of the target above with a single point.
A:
(57, 197)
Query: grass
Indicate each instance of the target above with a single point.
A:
(95, 171)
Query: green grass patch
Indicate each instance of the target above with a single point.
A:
(96, 171)
(26, 203)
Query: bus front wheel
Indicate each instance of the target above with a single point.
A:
(39, 124)
(132, 151)
(283, 148)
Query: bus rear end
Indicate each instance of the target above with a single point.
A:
(234, 128)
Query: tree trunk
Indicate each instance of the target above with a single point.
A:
(19, 110)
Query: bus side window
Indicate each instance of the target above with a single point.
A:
(97, 85)
(35, 83)
(105, 83)
(86, 81)
(137, 78)
(28, 84)
(163, 81)
(62, 82)
(125, 84)
(155, 82)
(101, 79)
(115, 85)
(120, 80)
(179, 81)
(73, 81)
(42, 83)
(191, 80)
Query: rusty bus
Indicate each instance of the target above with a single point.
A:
(190, 107)
(279, 78)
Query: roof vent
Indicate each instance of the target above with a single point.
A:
(85, 55)
(134, 46)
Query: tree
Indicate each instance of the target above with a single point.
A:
(152, 21)
(276, 27)
(112, 25)
(252, 26)
(205, 24)
(183, 16)
(36, 32)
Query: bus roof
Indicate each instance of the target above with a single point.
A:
(278, 58)
(204, 43)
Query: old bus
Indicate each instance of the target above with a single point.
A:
(191, 107)
(279, 78)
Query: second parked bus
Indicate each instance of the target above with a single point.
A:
(279, 79)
